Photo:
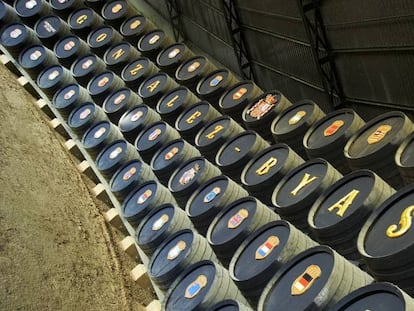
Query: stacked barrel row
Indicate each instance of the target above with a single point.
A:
(219, 208)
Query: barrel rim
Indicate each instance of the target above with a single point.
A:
(331, 189)
(401, 149)
(248, 240)
(104, 7)
(219, 215)
(72, 113)
(331, 115)
(122, 75)
(289, 109)
(165, 242)
(159, 151)
(291, 173)
(363, 291)
(208, 76)
(109, 50)
(376, 214)
(285, 268)
(121, 27)
(200, 189)
(226, 93)
(183, 64)
(223, 303)
(96, 77)
(94, 126)
(77, 61)
(259, 155)
(227, 143)
(256, 99)
(368, 125)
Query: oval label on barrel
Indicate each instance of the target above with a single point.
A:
(237, 219)
(116, 152)
(193, 67)
(211, 195)
(189, 175)
(297, 117)
(379, 134)
(303, 282)
(173, 53)
(154, 134)
(239, 93)
(175, 251)
(333, 128)
(170, 154)
(135, 117)
(144, 197)
(194, 288)
(128, 174)
(263, 106)
(404, 225)
(267, 247)
(217, 79)
(157, 225)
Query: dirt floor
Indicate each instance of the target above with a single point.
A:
(56, 250)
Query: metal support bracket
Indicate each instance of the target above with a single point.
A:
(321, 50)
(238, 41)
(174, 12)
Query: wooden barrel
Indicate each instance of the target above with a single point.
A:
(190, 72)
(85, 68)
(404, 159)
(115, 12)
(53, 78)
(102, 85)
(234, 100)
(175, 254)
(70, 97)
(199, 286)
(118, 102)
(173, 103)
(214, 134)
(64, 8)
(291, 124)
(233, 156)
(51, 28)
(263, 253)
(16, 37)
(168, 158)
(295, 193)
(137, 71)
(234, 224)
(171, 57)
(314, 280)
(129, 177)
(36, 58)
(386, 241)
(327, 137)
(119, 55)
(133, 28)
(259, 114)
(378, 296)
(375, 145)
(211, 87)
(83, 21)
(159, 224)
(102, 38)
(30, 12)
(154, 137)
(193, 118)
(69, 49)
(85, 116)
(152, 43)
(339, 213)
(143, 199)
(113, 156)
(155, 87)
(265, 170)
(189, 176)
(209, 199)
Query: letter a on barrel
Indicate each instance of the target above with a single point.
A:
(305, 280)
(195, 287)
(267, 247)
